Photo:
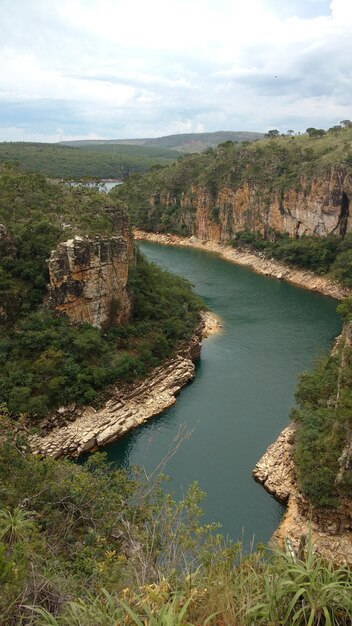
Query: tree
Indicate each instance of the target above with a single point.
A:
(290, 132)
(271, 134)
(346, 123)
(315, 132)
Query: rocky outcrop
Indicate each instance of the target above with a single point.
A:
(319, 206)
(126, 409)
(88, 279)
(330, 528)
(73, 431)
(257, 262)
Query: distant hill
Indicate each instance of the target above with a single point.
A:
(186, 142)
(102, 161)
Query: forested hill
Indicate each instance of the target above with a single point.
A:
(107, 161)
(115, 159)
(182, 142)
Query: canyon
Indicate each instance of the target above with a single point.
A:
(256, 261)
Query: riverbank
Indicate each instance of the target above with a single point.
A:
(72, 431)
(258, 263)
(330, 528)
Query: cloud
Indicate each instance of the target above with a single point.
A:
(112, 69)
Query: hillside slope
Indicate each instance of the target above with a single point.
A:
(63, 161)
(183, 142)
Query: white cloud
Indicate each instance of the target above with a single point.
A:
(148, 68)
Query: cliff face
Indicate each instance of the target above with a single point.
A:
(88, 279)
(330, 528)
(318, 206)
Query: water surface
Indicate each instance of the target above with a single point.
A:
(243, 390)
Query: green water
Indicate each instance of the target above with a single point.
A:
(243, 390)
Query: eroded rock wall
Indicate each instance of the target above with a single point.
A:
(88, 279)
(317, 206)
(330, 528)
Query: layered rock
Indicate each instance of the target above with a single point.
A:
(317, 206)
(330, 528)
(73, 431)
(126, 409)
(88, 279)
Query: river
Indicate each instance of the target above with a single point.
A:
(243, 390)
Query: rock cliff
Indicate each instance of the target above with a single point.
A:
(330, 528)
(314, 206)
(88, 279)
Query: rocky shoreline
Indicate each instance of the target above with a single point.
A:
(331, 529)
(73, 431)
(258, 263)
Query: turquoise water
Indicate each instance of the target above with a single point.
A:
(243, 390)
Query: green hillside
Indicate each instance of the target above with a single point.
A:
(60, 161)
(183, 142)
(46, 361)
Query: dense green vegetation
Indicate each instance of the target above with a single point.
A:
(91, 546)
(45, 360)
(318, 254)
(182, 142)
(324, 421)
(101, 161)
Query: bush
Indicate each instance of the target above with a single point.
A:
(47, 362)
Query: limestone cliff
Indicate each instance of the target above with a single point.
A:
(88, 279)
(316, 206)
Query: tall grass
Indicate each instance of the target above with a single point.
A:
(263, 589)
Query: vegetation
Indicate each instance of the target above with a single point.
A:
(324, 421)
(92, 161)
(317, 254)
(162, 198)
(89, 545)
(182, 142)
(45, 361)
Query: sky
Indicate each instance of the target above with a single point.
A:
(115, 69)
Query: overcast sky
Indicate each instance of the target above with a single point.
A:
(75, 69)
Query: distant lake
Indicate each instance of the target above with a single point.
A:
(110, 184)
(103, 185)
